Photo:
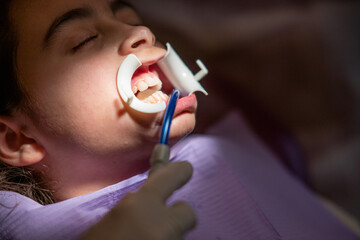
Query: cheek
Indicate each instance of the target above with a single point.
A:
(81, 91)
(81, 106)
(81, 98)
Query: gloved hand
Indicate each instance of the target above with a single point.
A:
(145, 215)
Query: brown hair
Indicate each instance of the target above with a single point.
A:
(22, 180)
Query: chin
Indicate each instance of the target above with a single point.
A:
(182, 125)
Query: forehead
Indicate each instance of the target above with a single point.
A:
(38, 11)
(46, 8)
(33, 17)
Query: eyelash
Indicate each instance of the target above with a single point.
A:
(83, 43)
(89, 39)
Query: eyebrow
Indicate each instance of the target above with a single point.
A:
(76, 14)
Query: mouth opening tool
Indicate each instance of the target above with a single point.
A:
(173, 68)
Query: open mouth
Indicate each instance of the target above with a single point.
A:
(147, 86)
(151, 87)
(134, 81)
(140, 87)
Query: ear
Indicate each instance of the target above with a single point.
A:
(16, 148)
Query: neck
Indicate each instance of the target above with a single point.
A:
(82, 175)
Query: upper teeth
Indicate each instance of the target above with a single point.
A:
(126, 78)
(146, 83)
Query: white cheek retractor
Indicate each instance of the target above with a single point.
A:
(174, 69)
(180, 75)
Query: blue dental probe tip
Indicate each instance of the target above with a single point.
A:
(161, 152)
(169, 114)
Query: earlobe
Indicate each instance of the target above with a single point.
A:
(16, 148)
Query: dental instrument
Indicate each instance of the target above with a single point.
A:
(161, 152)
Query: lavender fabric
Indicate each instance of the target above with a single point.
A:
(239, 191)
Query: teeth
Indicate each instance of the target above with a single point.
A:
(142, 86)
(160, 96)
(126, 78)
(156, 97)
(148, 90)
(158, 85)
(134, 89)
(151, 81)
(150, 99)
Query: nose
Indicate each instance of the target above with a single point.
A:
(136, 38)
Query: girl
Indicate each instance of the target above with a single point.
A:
(60, 109)
(69, 141)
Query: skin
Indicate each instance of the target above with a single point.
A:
(78, 131)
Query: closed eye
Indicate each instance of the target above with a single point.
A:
(83, 43)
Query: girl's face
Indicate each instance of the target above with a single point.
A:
(68, 55)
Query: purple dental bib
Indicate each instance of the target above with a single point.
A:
(239, 190)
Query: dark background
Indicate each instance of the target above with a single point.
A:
(297, 62)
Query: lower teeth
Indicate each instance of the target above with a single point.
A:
(155, 97)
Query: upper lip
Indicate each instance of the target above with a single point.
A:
(151, 61)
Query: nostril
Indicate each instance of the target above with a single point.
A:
(138, 43)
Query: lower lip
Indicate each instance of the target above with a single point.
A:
(186, 104)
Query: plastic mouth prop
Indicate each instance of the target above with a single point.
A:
(174, 69)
